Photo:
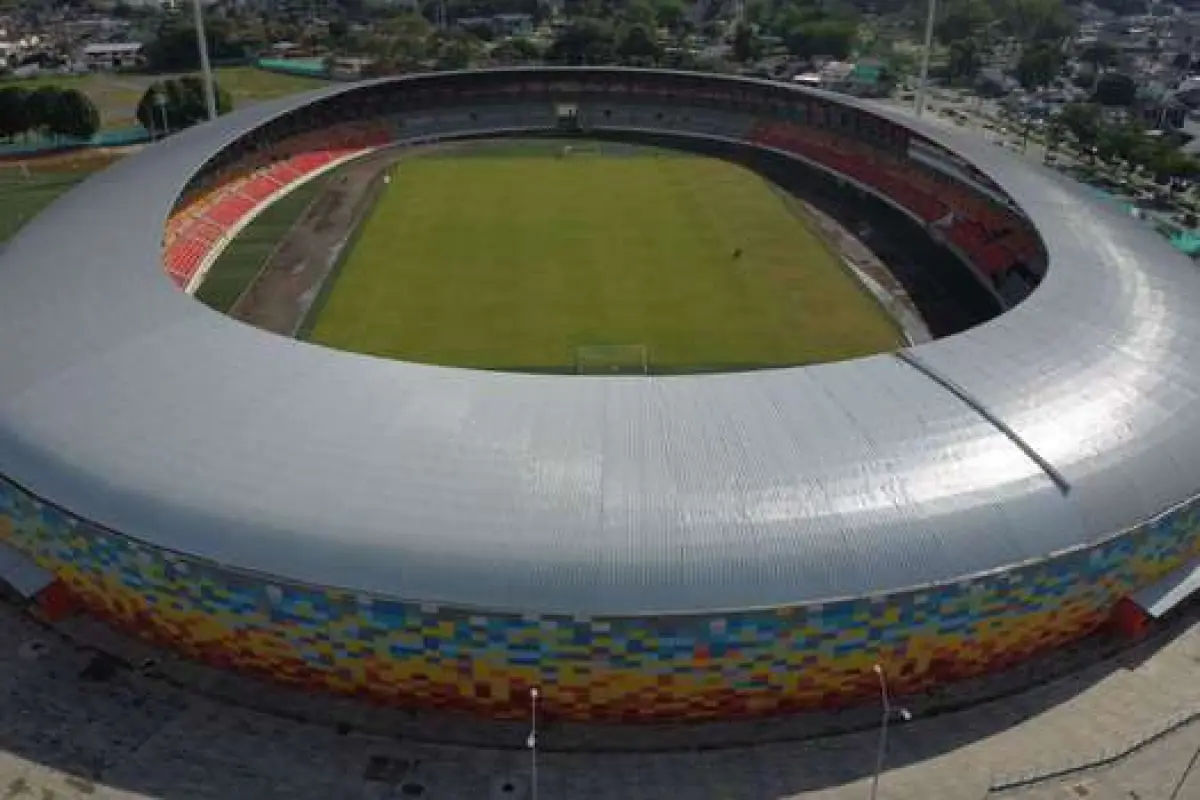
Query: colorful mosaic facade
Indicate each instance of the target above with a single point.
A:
(611, 669)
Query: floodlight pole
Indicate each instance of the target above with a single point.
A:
(923, 85)
(210, 96)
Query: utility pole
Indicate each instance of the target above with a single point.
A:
(210, 95)
(923, 86)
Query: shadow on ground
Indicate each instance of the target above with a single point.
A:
(103, 710)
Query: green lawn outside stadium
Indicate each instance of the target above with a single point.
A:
(21, 198)
(509, 262)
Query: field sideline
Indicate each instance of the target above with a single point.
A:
(506, 262)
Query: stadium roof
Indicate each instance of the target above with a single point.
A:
(133, 405)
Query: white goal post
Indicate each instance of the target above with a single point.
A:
(612, 359)
(15, 172)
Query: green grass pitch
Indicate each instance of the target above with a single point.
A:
(515, 262)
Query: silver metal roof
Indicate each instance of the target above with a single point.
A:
(134, 406)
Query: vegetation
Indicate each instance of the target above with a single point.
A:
(25, 189)
(1115, 89)
(1122, 144)
(21, 199)
(117, 97)
(178, 103)
(47, 110)
(173, 48)
(972, 30)
(511, 262)
(807, 28)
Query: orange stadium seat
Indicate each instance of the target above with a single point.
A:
(234, 192)
(184, 258)
(230, 210)
(259, 188)
(977, 222)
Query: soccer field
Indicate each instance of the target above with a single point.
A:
(506, 261)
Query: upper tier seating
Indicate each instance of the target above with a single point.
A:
(991, 236)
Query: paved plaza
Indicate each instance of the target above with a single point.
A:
(74, 726)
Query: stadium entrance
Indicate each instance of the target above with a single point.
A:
(567, 116)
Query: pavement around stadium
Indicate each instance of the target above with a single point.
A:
(121, 734)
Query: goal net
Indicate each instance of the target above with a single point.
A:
(611, 359)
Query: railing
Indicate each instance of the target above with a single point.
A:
(38, 145)
(1017, 780)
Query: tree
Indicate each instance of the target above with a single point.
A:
(338, 30)
(585, 41)
(746, 46)
(14, 111)
(640, 12)
(1115, 89)
(1082, 120)
(1117, 142)
(966, 59)
(1035, 22)
(39, 107)
(1168, 164)
(1038, 65)
(400, 44)
(73, 114)
(670, 13)
(174, 47)
(823, 37)
(457, 50)
(1100, 55)
(518, 50)
(56, 112)
(639, 46)
(965, 19)
(181, 101)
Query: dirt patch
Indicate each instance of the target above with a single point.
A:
(88, 160)
(279, 298)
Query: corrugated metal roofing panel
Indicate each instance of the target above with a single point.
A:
(120, 398)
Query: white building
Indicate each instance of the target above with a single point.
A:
(112, 55)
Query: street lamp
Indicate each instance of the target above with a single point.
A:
(903, 713)
(210, 97)
(160, 103)
(924, 80)
(531, 742)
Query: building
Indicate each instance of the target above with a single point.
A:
(112, 55)
(500, 24)
(653, 549)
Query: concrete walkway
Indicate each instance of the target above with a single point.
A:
(74, 727)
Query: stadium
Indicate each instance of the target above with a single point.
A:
(639, 547)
